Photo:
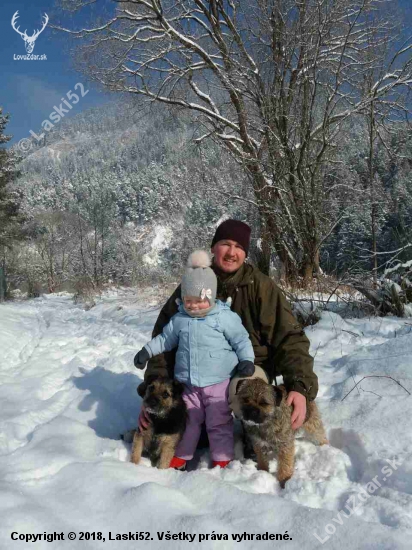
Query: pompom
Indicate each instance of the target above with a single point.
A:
(199, 258)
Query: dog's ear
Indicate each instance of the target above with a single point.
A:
(278, 395)
(178, 388)
(240, 384)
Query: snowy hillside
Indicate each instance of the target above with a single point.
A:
(68, 390)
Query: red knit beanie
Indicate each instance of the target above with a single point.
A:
(233, 230)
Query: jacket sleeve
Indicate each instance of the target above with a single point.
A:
(163, 364)
(290, 345)
(237, 336)
(165, 341)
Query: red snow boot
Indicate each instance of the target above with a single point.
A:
(178, 463)
(220, 463)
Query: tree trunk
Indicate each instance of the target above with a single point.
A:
(288, 273)
(95, 254)
(310, 267)
(51, 283)
(263, 254)
(372, 193)
(3, 285)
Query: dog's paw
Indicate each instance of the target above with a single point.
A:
(282, 482)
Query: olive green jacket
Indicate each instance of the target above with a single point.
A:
(280, 345)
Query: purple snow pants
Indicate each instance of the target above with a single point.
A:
(208, 404)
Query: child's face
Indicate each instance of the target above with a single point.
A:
(195, 304)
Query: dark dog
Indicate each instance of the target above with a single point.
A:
(266, 420)
(164, 405)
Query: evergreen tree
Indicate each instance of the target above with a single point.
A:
(9, 200)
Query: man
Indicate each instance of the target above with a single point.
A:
(279, 343)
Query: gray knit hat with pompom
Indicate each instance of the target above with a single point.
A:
(199, 279)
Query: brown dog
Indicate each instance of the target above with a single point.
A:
(164, 405)
(266, 421)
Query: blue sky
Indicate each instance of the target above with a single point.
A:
(30, 89)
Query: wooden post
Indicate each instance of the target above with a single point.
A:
(3, 286)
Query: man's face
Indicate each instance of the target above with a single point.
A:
(228, 255)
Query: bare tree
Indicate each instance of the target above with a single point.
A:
(382, 117)
(273, 81)
(53, 241)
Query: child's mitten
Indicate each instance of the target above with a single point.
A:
(141, 358)
(245, 368)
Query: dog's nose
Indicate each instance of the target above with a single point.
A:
(152, 401)
(250, 413)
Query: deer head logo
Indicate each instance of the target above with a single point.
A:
(29, 41)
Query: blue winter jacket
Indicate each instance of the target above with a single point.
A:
(209, 348)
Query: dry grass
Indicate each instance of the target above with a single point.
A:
(86, 292)
(325, 292)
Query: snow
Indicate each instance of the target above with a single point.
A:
(160, 241)
(68, 390)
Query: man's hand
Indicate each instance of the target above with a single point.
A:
(143, 420)
(298, 401)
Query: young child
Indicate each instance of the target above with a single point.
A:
(212, 344)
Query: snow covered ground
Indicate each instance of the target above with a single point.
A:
(68, 390)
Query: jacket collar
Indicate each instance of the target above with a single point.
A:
(227, 284)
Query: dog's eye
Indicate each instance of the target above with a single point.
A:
(263, 403)
(165, 395)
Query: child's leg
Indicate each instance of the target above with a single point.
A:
(196, 416)
(219, 421)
